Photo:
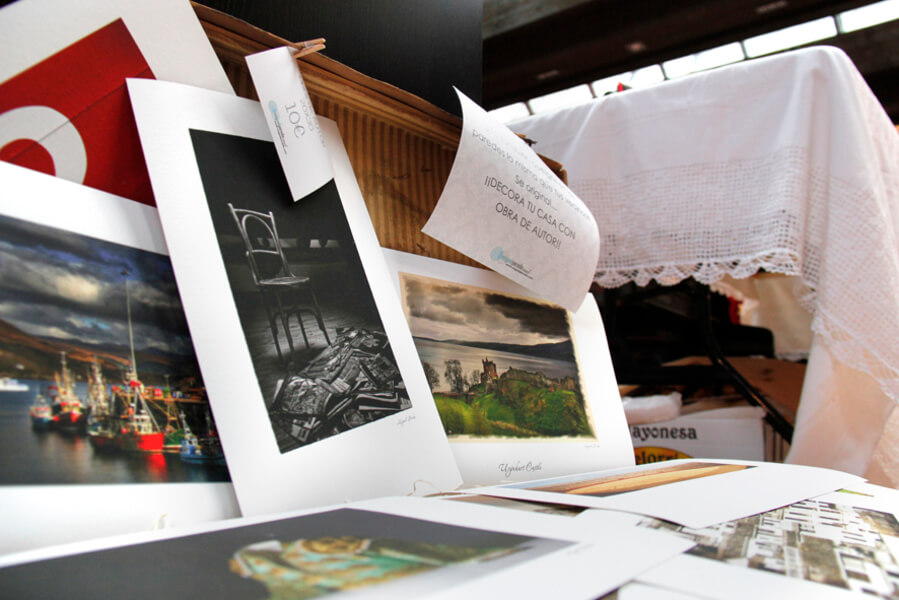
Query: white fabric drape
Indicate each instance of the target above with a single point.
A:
(786, 163)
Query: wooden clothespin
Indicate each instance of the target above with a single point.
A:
(299, 49)
(526, 139)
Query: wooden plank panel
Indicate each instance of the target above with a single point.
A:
(401, 147)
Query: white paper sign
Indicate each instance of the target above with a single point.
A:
(291, 120)
(503, 207)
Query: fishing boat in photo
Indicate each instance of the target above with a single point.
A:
(102, 422)
(136, 429)
(172, 440)
(201, 450)
(41, 414)
(69, 412)
(167, 405)
(102, 435)
(139, 433)
(97, 396)
(8, 384)
(127, 425)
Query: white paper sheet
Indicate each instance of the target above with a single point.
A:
(291, 120)
(581, 572)
(448, 301)
(404, 453)
(503, 207)
(32, 516)
(550, 555)
(167, 32)
(643, 591)
(692, 492)
(838, 545)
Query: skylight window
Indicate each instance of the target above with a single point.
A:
(640, 78)
(868, 16)
(701, 61)
(791, 37)
(810, 32)
(510, 112)
(561, 99)
(647, 76)
(601, 87)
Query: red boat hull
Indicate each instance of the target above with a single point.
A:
(70, 421)
(140, 442)
(103, 442)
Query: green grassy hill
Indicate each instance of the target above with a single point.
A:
(514, 408)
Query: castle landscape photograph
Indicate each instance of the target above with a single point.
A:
(499, 366)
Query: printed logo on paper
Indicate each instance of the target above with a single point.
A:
(273, 107)
(498, 255)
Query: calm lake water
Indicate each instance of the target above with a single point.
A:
(437, 353)
(48, 457)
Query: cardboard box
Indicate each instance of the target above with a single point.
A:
(734, 432)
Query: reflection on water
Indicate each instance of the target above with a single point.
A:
(437, 353)
(50, 457)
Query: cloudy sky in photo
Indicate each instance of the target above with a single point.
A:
(443, 310)
(61, 285)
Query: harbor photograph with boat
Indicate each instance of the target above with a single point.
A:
(99, 379)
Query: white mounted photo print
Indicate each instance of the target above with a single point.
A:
(524, 387)
(310, 366)
(103, 413)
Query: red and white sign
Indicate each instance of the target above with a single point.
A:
(69, 115)
(64, 109)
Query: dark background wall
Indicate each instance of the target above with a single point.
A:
(422, 46)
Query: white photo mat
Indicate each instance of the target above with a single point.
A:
(495, 460)
(33, 516)
(168, 33)
(698, 502)
(406, 453)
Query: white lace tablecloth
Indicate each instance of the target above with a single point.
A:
(786, 163)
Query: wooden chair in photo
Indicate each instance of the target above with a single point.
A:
(283, 293)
